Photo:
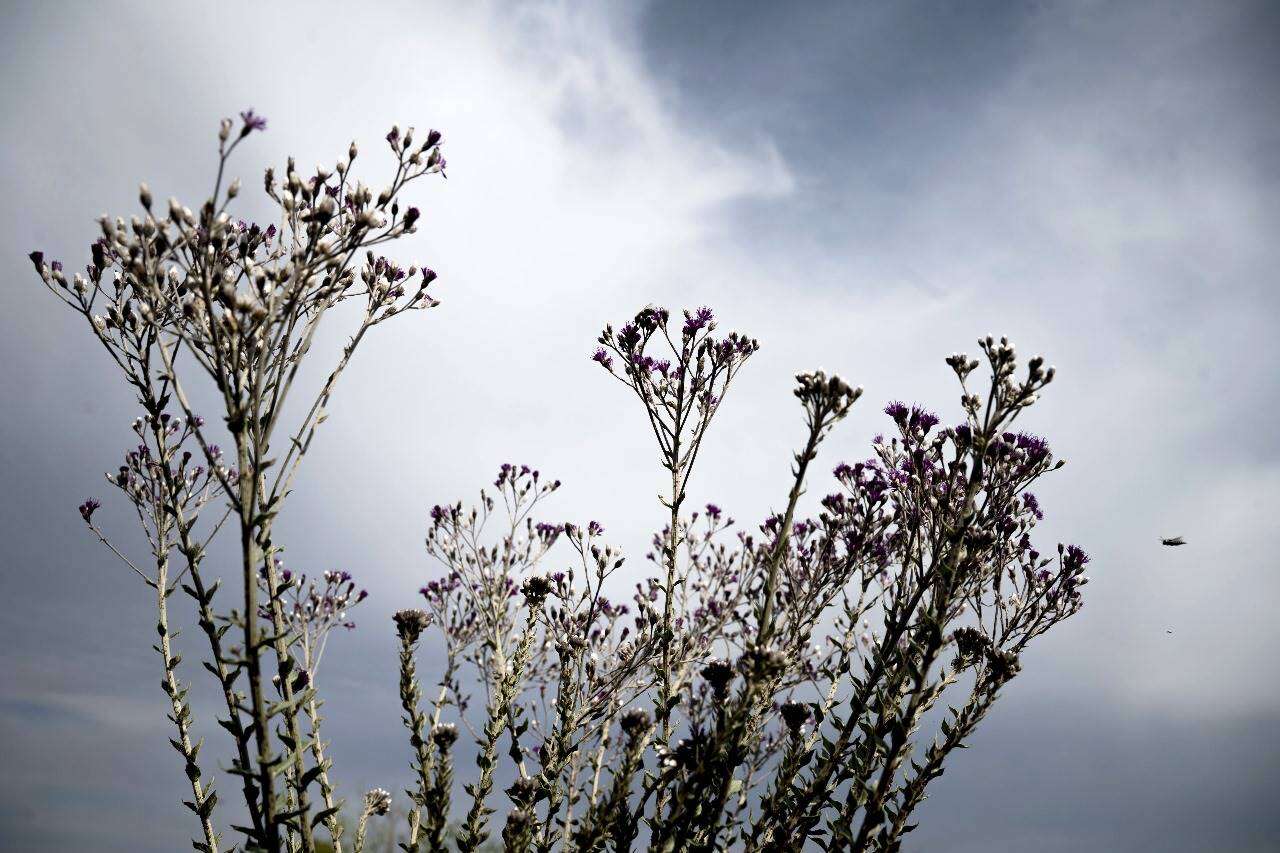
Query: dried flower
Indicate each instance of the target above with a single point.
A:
(795, 715)
(377, 801)
(718, 673)
(443, 735)
(411, 623)
(536, 589)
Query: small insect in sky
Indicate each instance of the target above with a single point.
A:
(1173, 540)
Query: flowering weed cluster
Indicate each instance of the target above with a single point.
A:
(765, 689)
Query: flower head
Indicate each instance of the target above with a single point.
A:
(377, 801)
(87, 509)
(718, 674)
(443, 735)
(635, 722)
(411, 623)
(536, 589)
(795, 715)
(697, 320)
(252, 122)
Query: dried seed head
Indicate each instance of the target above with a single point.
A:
(377, 801)
(635, 722)
(444, 735)
(819, 390)
(1001, 666)
(411, 623)
(718, 674)
(795, 715)
(762, 664)
(523, 790)
(536, 589)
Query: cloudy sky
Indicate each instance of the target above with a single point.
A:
(865, 187)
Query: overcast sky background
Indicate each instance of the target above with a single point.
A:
(864, 187)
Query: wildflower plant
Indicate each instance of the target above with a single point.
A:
(174, 296)
(764, 690)
(797, 684)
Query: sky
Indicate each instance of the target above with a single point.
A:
(865, 187)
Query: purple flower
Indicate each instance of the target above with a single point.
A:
(594, 528)
(37, 260)
(1075, 557)
(628, 336)
(923, 419)
(713, 511)
(601, 357)
(252, 122)
(696, 321)
(87, 509)
(1035, 447)
(898, 411)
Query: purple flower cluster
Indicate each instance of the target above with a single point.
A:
(603, 358)
(697, 321)
(315, 607)
(913, 418)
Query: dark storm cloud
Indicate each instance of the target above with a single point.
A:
(1100, 180)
